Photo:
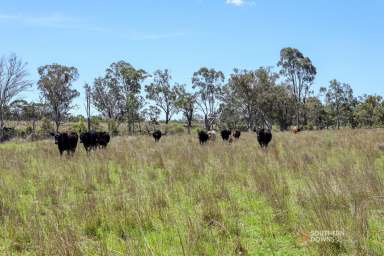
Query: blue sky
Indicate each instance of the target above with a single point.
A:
(344, 38)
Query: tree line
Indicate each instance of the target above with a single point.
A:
(248, 99)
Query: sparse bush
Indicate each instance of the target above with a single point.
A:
(113, 127)
(80, 126)
(46, 126)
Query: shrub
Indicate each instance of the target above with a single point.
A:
(80, 126)
(46, 126)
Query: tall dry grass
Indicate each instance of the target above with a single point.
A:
(315, 193)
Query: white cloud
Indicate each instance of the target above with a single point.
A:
(239, 2)
(235, 2)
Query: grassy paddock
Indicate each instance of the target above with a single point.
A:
(316, 193)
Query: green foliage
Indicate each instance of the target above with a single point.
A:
(175, 129)
(250, 96)
(208, 86)
(185, 102)
(55, 85)
(162, 93)
(80, 126)
(369, 111)
(300, 74)
(117, 94)
(339, 98)
(46, 126)
(250, 99)
(113, 127)
(95, 123)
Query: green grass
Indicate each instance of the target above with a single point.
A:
(179, 198)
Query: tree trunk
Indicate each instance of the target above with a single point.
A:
(89, 124)
(207, 125)
(1, 123)
(109, 125)
(298, 118)
(189, 125)
(251, 123)
(57, 126)
(130, 128)
(166, 118)
(283, 125)
(1, 118)
(33, 125)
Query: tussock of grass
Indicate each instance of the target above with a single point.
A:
(179, 198)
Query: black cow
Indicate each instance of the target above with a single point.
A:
(66, 142)
(93, 140)
(89, 140)
(264, 136)
(157, 135)
(103, 139)
(203, 137)
(236, 134)
(225, 134)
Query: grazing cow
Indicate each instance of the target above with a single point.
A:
(225, 134)
(157, 135)
(296, 130)
(203, 137)
(66, 142)
(236, 134)
(93, 140)
(212, 135)
(264, 136)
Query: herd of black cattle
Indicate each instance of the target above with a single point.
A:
(67, 142)
(91, 140)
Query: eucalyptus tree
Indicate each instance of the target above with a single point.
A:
(208, 85)
(33, 112)
(252, 93)
(162, 93)
(369, 110)
(106, 99)
(317, 114)
(13, 81)
(186, 102)
(55, 85)
(151, 114)
(283, 106)
(300, 73)
(127, 81)
(339, 97)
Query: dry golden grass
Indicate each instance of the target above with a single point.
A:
(314, 193)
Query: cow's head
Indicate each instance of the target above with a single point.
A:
(259, 130)
(82, 137)
(56, 136)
